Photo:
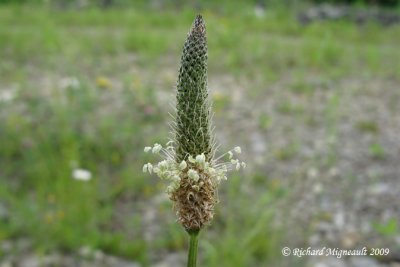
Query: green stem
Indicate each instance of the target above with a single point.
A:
(194, 241)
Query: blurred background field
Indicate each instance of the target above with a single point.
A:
(310, 91)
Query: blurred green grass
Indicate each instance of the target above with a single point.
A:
(103, 126)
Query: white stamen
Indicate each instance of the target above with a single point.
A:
(150, 167)
(191, 159)
(182, 165)
(157, 148)
(238, 149)
(193, 175)
(237, 166)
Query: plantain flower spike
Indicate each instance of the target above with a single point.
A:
(188, 159)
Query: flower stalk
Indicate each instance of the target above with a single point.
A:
(193, 247)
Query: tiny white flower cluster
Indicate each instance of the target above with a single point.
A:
(236, 162)
(194, 168)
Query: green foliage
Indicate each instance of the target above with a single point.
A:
(389, 228)
(264, 121)
(286, 153)
(368, 126)
(377, 151)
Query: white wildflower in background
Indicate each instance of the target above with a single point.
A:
(8, 95)
(81, 175)
(69, 83)
(259, 11)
